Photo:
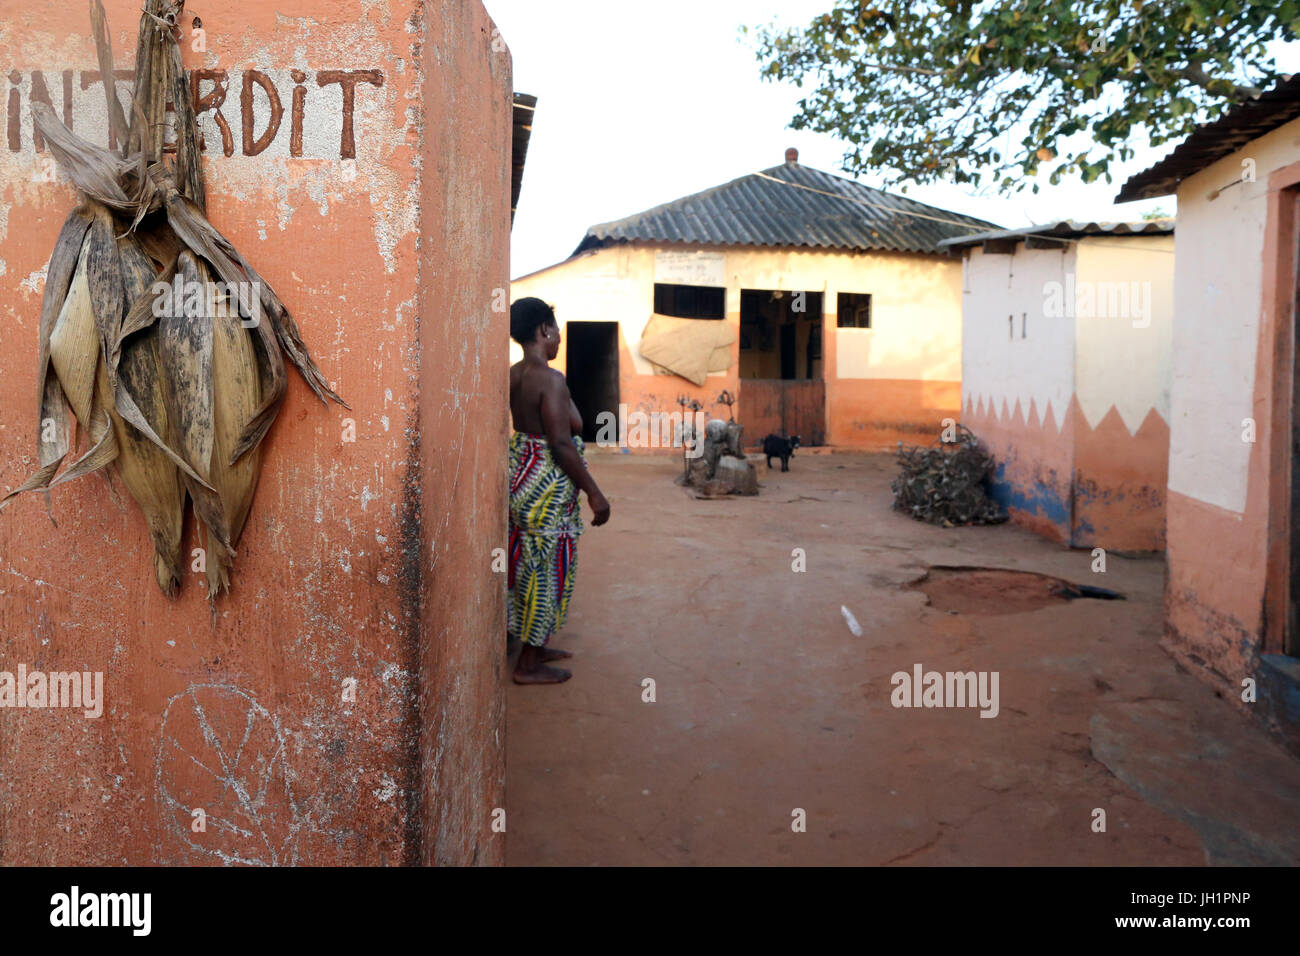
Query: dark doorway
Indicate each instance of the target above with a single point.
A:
(788, 344)
(780, 335)
(591, 368)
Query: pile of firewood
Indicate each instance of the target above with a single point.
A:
(947, 483)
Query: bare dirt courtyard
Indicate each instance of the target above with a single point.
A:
(767, 702)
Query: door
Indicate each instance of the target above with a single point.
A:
(782, 390)
(774, 407)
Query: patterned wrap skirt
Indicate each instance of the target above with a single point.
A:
(545, 521)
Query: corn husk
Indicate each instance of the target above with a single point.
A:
(54, 434)
(152, 479)
(74, 341)
(238, 391)
(185, 353)
(104, 50)
(98, 173)
(179, 398)
(151, 80)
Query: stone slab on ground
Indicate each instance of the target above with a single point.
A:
(1223, 778)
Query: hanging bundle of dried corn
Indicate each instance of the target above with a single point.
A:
(164, 343)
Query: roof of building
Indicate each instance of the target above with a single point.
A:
(523, 130)
(1064, 229)
(791, 205)
(1212, 141)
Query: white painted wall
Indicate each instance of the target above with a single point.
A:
(613, 284)
(1004, 367)
(1123, 360)
(1217, 301)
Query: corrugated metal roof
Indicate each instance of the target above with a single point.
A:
(1066, 229)
(523, 130)
(791, 205)
(1212, 141)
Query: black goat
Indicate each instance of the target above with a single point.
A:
(774, 446)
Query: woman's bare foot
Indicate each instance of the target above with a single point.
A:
(530, 670)
(542, 674)
(554, 654)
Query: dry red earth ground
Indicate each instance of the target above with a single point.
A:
(767, 702)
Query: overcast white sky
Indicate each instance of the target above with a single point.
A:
(640, 104)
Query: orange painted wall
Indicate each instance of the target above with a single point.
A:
(366, 559)
(1120, 483)
(1035, 460)
(877, 413)
(464, 258)
(1075, 484)
(1213, 607)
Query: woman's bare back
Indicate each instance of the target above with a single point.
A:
(527, 383)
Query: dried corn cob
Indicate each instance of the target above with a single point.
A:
(149, 475)
(180, 397)
(238, 394)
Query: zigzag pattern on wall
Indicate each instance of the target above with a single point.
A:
(1013, 415)
(1003, 414)
(1081, 484)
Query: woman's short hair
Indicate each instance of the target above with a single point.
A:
(527, 316)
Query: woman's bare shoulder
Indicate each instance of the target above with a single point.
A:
(542, 375)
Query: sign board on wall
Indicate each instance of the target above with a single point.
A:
(690, 268)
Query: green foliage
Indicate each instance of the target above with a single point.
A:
(929, 89)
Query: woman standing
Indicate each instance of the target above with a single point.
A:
(547, 471)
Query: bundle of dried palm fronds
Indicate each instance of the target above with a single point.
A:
(163, 342)
(946, 484)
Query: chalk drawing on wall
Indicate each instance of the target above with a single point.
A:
(222, 752)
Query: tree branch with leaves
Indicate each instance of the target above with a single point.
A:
(924, 90)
